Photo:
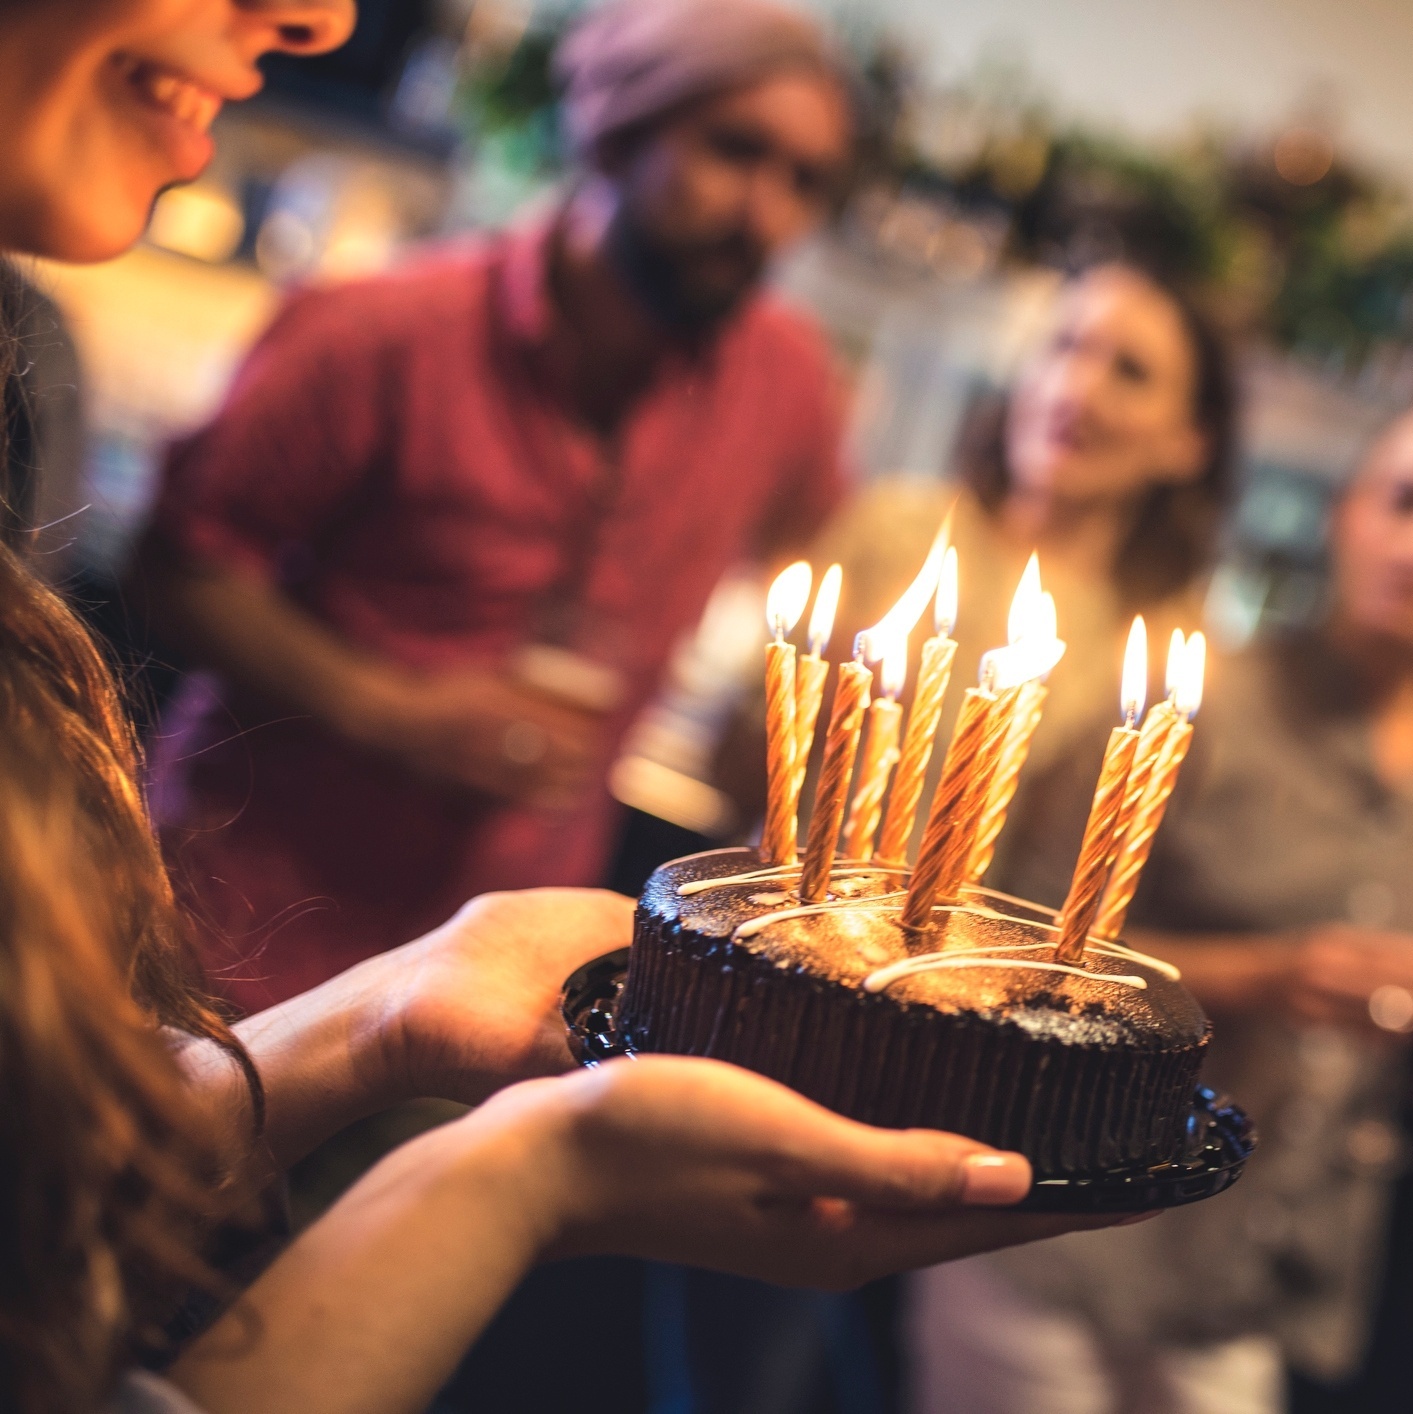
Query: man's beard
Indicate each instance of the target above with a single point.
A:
(666, 281)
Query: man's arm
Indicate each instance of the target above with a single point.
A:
(1323, 975)
(470, 728)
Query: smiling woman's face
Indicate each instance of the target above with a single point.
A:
(103, 103)
(1105, 409)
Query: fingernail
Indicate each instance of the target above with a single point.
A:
(995, 1179)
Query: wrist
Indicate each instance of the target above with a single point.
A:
(369, 706)
(531, 1135)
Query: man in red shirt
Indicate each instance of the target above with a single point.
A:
(438, 544)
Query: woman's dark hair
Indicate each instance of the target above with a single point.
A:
(17, 450)
(109, 1175)
(1172, 539)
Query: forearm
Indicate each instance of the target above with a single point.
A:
(1226, 972)
(326, 1058)
(369, 1311)
(253, 634)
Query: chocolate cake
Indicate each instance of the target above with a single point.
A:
(971, 1027)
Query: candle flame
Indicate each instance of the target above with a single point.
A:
(895, 667)
(1021, 662)
(1194, 670)
(1047, 621)
(902, 618)
(1134, 690)
(944, 610)
(1177, 656)
(826, 605)
(787, 598)
(1035, 645)
(1024, 604)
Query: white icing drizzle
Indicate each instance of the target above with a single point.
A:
(953, 957)
(861, 905)
(782, 872)
(1173, 974)
(934, 961)
(1009, 898)
(1092, 944)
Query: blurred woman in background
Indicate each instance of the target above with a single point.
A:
(1111, 457)
(1280, 885)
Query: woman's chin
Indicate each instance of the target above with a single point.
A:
(102, 230)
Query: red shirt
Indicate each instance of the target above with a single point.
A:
(393, 457)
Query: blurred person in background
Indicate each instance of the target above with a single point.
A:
(435, 549)
(1280, 884)
(1111, 456)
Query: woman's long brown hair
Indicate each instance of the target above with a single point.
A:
(109, 1175)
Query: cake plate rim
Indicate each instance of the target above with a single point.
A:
(587, 1005)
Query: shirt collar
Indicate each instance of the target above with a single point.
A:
(526, 307)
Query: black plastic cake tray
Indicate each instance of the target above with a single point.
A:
(1220, 1135)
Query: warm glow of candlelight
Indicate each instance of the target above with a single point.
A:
(1047, 622)
(841, 744)
(826, 605)
(895, 668)
(1177, 649)
(902, 618)
(1025, 602)
(880, 755)
(944, 608)
(1188, 695)
(788, 595)
(1027, 660)
(1134, 691)
(944, 819)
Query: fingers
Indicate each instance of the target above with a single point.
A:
(801, 1150)
(535, 916)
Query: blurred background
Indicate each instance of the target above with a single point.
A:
(1261, 147)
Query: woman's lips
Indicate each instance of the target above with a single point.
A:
(184, 111)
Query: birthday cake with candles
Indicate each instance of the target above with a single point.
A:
(905, 994)
(1079, 1068)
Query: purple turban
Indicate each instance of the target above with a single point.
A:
(631, 60)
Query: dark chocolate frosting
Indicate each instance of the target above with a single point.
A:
(1080, 1073)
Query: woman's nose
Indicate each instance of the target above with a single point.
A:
(308, 26)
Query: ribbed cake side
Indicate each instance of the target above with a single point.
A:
(1069, 1107)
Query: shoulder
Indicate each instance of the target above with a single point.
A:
(438, 286)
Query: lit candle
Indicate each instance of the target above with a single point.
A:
(880, 755)
(933, 676)
(1096, 854)
(783, 607)
(1032, 620)
(841, 746)
(812, 671)
(968, 738)
(1138, 840)
(1159, 722)
(1006, 671)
